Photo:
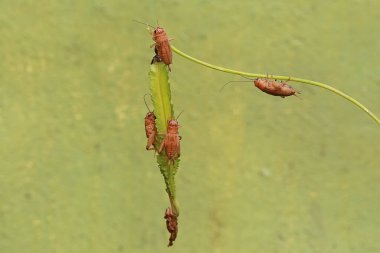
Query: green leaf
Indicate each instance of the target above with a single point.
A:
(163, 109)
(161, 95)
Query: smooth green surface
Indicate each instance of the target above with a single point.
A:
(258, 173)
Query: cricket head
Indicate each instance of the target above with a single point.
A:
(259, 82)
(150, 116)
(158, 33)
(173, 126)
(158, 30)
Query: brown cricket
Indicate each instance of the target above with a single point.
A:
(171, 225)
(150, 128)
(161, 44)
(275, 88)
(272, 87)
(171, 141)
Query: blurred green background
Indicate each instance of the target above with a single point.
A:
(258, 173)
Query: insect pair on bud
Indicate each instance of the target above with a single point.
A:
(171, 141)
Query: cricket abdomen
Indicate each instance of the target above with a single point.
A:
(171, 145)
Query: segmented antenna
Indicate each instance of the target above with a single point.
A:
(143, 23)
(145, 102)
(179, 115)
(233, 82)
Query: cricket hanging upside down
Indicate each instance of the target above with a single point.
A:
(271, 87)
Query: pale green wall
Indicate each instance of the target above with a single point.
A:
(258, 173)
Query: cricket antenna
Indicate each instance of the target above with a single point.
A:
(247, 78)
(142, 23)
(179, 115)
(145, 102)
(298, 92)
(233, 82)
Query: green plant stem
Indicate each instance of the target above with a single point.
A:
(285, 78)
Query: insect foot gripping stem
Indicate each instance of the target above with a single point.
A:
(171, 225)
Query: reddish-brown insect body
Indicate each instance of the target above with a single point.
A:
(171, 141)
(162, 45)
(275, 88)
(171, 225)
(271, 87)
(150, 128)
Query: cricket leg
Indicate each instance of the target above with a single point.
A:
(179, 150)
(161, 146)
(151, 140)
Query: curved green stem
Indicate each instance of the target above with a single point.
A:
(285, 78)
